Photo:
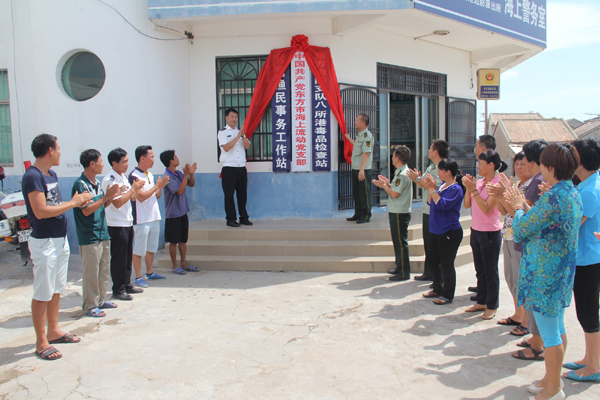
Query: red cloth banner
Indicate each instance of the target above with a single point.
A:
(321, 65)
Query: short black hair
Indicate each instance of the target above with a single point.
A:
(563, 158)
(364, 118)
(41, 144)
(441, 146)
(116, 155)
(230, 110)
(488, 141)
(534, 149)
(166, 157)
(403, 153)
(490, 156)
(518, 157)
(141, 151)
(87, 156)
(589, 153)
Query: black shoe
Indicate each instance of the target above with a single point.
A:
(473, 298)
(234, 224)
(362, 221)
(245, 222)
(122, 296)
(398, 278)
(134, 290)
(393, 272)
(472, 289)
(422, 278)
(352, 219)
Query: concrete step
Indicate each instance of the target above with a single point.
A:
(308, 263)
(353, 233)
(303, 248)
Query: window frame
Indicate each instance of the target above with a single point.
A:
(10, 160)
(261, 147)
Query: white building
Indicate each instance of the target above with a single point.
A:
(410, 65)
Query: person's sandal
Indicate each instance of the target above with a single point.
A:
(537, 355)
(430, 295)
(441, 301)
(520, 331)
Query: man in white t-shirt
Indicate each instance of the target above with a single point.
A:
(146, 215)
(234, 176)
(120, 225)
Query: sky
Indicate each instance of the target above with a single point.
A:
(563, 81)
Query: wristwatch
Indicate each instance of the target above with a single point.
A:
(418, 179)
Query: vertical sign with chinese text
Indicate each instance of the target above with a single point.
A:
(321, 121)
(301, 125)
(280, 113)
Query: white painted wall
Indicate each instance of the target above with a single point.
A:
(145, 99)
(355, 57)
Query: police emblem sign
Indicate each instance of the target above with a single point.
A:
(488, 84)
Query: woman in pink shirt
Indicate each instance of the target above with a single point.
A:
(486, 237)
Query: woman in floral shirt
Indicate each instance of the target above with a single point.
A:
(549, 235)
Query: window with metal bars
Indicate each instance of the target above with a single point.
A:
(6, 151)
(236, 80)
(392, 78)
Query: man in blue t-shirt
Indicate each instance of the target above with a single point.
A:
(176, 209)
(48, 243)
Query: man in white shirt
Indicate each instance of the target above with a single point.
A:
(120, 225)
(234, 176)
(146, 215)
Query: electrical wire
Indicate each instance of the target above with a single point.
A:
(14, 72)
(139, 31)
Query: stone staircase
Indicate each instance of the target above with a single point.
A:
(305, 245)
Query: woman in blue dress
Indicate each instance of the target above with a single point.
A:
(549, 234)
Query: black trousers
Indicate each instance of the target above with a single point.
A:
(235, 179)
(361, 191)
(442, 254)
(121, 252)
(587, 292)
(426, 244)
(486, 251)
(399, 230)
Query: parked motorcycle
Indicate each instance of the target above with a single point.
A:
(16, 228)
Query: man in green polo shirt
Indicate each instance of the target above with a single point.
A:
(437, 152)
(362, 159)
(92, 234)
(400, 192)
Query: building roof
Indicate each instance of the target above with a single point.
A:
(525, 130)
(574, 123)
(494, 118)
(587, 126)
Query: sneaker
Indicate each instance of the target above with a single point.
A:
(141, 282)
(154, 275)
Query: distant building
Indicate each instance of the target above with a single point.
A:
(574, 123)
(512, 133)
(589, 128)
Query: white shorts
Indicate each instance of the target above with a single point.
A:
(145, 238)
(50, 265)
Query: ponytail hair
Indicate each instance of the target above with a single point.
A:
(491, 156)
(449, 164)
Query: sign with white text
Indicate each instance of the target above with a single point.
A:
(280, 115)
(488, 84)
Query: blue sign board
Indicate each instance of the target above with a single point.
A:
(321, 129)
(280, 115)
(520, 19)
